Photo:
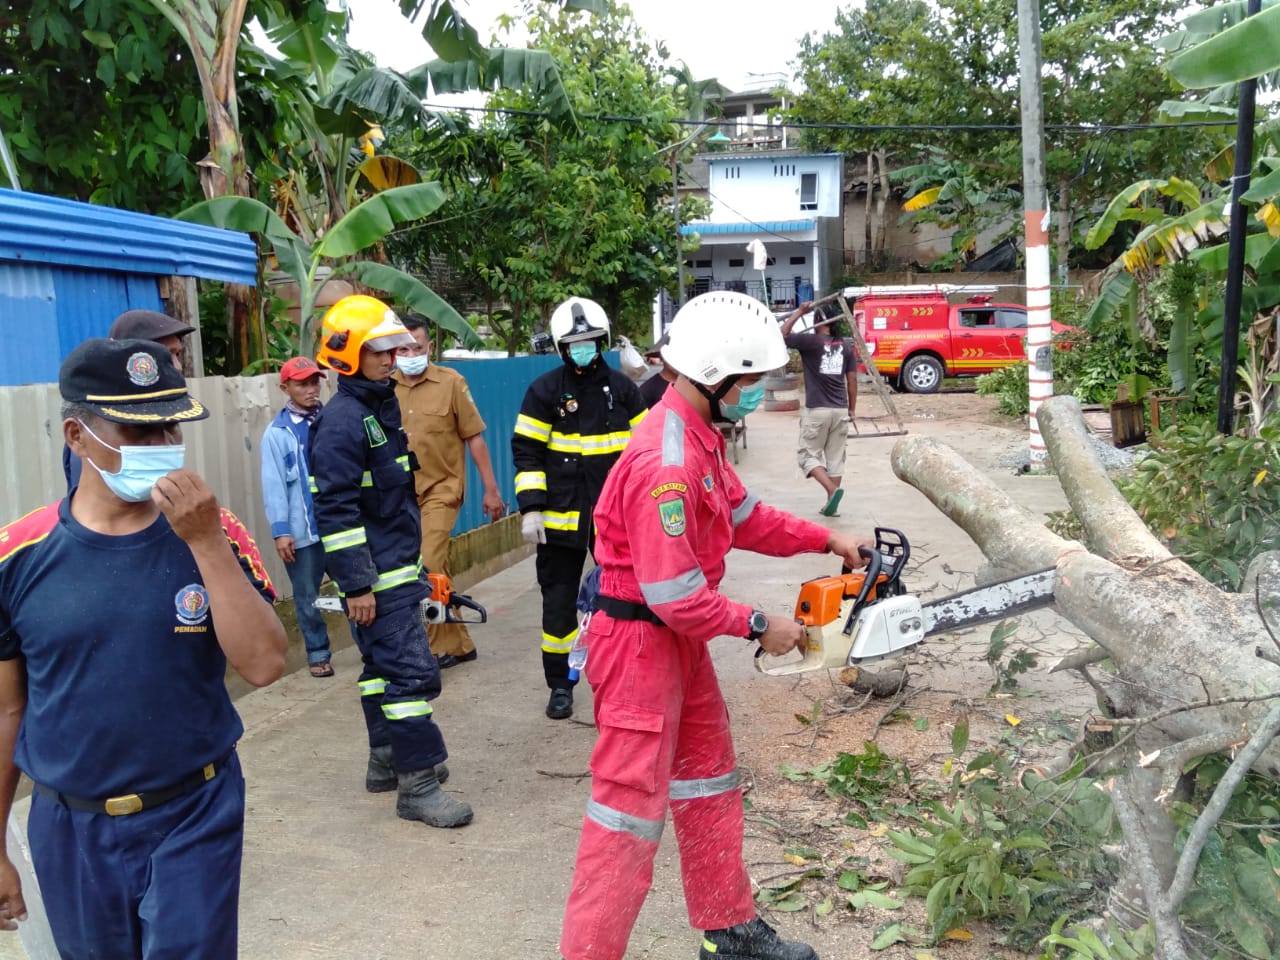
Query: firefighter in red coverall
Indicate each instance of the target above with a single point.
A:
(669, 513)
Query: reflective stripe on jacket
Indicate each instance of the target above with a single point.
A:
(366, 511)
(671, 510)
(571, 429)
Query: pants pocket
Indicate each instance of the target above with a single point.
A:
(629, 750)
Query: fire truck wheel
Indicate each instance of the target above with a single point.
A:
(922, 374)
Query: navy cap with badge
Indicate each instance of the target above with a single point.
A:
(128, 381)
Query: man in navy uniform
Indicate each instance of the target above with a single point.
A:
(120, 607)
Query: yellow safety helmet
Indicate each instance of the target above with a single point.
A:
(354, 323)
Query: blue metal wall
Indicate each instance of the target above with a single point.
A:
(45, 311)
(498, 388)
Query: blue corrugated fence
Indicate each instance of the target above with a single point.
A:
(498, 387)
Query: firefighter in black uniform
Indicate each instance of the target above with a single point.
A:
(573, 424)
(367, 516)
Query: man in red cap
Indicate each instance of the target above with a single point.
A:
(286, 491)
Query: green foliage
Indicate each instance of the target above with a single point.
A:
(1079, 942)
(96, 105)
(1010, 385)
(892, 63)
(1007, 669)
(364, 226)
(1215, 499)
(1236, 895)
(540, 210)
(864, 778)
(1015, 854)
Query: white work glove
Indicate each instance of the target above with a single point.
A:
(532, 527)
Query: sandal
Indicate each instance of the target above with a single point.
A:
(319, 670)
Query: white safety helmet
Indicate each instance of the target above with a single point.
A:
(579, 319)
(722, 334)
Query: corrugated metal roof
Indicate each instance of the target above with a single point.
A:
(768, 226)
(50, 230)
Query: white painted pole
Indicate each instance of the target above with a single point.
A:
(1035, 203)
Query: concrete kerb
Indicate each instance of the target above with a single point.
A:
(331, 872)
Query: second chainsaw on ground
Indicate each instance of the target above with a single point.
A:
(443, 605)
(861, 617)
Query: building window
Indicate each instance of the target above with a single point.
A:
(770, 261)
(737, 263)
(733, 173)
(808, 191)
(797, 261)
(702, 264)
(784, 169)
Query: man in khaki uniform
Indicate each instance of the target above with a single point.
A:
(440, 418)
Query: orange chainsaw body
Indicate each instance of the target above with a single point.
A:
(820, 599)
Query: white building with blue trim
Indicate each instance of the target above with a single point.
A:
(790, 201)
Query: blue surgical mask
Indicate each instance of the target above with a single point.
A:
(412, 366)
(140, 467)
(583, 353)
(748, 399)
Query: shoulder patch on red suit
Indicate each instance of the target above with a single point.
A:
(28, 529)
(246, 550)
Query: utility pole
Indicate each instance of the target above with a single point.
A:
(1035, 202)
(675, 201)
(1237, 224)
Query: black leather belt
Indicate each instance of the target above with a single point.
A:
(626, 610)
(136, 802)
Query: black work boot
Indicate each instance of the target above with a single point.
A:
(422, 799)
(560, 706)
(380, 777)
(755, 940)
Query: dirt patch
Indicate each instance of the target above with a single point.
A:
(795, 830)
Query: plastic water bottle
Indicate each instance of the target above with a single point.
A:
(578, 655)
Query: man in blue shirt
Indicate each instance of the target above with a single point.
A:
(120, 607)
(286, 493)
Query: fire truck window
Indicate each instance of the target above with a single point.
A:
(977, 318)
(1011, 319)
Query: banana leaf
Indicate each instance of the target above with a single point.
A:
(1206, 23)
(1263, 188)
(1182, 345)
(1182, 191)
(385, 172)
(253, 216)
(377, 216)
(922, 199)
(1114, 293)
(370, 94)
(1248, 49)
(417, 295)
(1214, 259)
(532, 70)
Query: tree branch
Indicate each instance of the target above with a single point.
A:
(1165, 920)
(1213, 810)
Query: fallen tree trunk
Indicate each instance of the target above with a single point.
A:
(1175, 639)
(1193, 664)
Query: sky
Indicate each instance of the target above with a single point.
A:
(742, 43)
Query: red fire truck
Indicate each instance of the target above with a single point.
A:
(917, 336)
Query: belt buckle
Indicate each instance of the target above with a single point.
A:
(123, 806)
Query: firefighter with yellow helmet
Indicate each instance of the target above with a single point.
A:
(367, 516)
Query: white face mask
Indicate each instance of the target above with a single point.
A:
(412, 366)
(140, 467)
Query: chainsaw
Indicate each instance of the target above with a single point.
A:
(862, 617)
(442, 605)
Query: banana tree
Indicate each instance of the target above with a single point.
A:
(363, 226)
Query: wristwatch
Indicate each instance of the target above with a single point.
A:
(757, 624)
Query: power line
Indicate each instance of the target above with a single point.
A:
(1086, 128)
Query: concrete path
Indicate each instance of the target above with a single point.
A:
(331, 872)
